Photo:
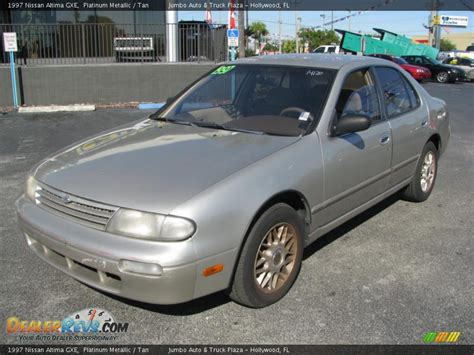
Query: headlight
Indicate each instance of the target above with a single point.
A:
(31, 187)
(153, 226)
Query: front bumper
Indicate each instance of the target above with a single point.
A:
(457, 76)
(93, 256)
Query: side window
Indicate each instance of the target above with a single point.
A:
(359, 96)
(418, 61)
(398, 95)
(414, 98)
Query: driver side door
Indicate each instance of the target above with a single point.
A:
(357, 165)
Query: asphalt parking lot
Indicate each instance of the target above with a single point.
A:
(388, 276)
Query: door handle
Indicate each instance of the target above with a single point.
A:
(424, 123)
(384, 139)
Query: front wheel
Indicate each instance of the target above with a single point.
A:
(270, 259)
(425, 175)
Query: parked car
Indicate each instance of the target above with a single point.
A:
(455, 53)
(466, 64)
(417, 72)
(440, 72)
(223, 187)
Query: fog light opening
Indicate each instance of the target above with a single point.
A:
(138, 267)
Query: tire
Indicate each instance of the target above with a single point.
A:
(257, 290)
(420, 187)
(442, 77)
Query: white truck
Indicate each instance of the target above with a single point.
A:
(330, 48)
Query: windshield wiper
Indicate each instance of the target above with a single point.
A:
(170, 120)
(223, 127)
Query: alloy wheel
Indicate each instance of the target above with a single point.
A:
(428, 171)
(442, 77)
(276, 256)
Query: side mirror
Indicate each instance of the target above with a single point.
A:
(350, 123)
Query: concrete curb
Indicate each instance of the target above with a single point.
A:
(56, 108)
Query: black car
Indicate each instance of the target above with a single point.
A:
(440, 72)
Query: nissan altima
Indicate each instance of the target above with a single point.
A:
(223, 187)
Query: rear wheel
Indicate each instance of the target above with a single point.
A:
(425, 175)
(442, 77)
(270, 259)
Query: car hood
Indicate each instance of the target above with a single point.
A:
(153, 166)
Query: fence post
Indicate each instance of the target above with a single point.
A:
(199, 43)
(83, 43)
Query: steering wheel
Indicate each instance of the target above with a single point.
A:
(294, 109)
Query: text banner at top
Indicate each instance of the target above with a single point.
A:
(250, 5)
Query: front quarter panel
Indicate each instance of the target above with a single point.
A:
(224, 212)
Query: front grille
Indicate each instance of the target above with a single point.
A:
(79, 210)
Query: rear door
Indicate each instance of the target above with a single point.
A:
(408, 119)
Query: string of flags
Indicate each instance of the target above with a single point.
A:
(357, 13)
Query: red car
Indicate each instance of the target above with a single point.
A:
(417, 72)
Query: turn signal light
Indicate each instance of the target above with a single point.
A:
(212, 270)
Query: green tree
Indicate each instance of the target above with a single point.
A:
(316, 38)
(270, 47)
(446, 45)
(288, 46)
(257, 30)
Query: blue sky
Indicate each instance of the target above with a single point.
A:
(409, 23)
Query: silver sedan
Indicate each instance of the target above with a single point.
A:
(224, 186)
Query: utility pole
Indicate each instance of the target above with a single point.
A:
(434, 35)
(241, 27)
(279, 31)
(332, 20)
(296, 33)
(297, 25)
(324, 20)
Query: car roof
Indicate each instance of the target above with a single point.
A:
(323, 61)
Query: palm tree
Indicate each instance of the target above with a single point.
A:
(257, 30)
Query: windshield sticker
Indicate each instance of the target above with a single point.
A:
(223, 69)
(304, 116)
(314, 73)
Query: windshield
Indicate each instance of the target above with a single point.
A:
(279, 100)
(432, 61)
(400, 61)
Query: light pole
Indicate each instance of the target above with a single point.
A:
(324, 20)
(279, 31)
(297, 24)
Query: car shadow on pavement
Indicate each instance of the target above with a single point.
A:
(345, 228)
(220, 298)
